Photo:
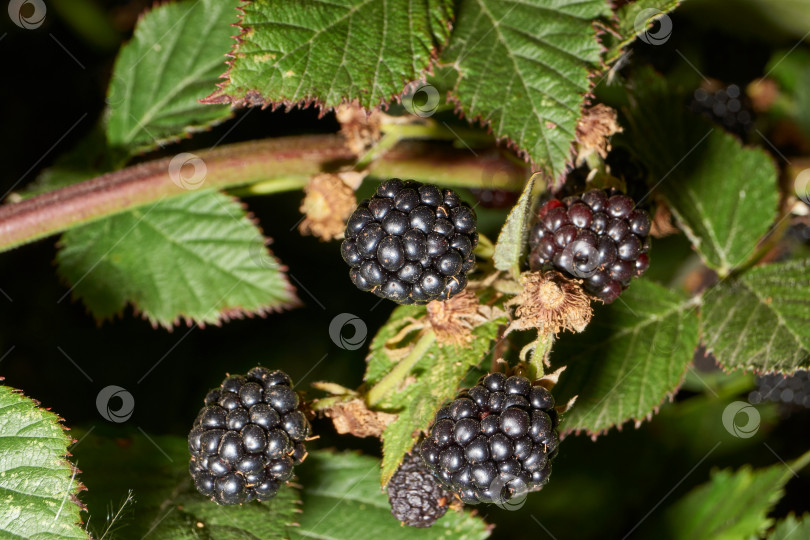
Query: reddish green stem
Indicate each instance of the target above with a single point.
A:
(289, 160)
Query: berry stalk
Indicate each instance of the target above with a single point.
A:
(542, 348)
(388, 383)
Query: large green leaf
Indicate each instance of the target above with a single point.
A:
(630, 359)
(512, 239)
(333, 52)
(761, 321)
(436, 374)
(342, 501)
(724, 195)
(188, 515)
(732, 505)
(38, 486)
(163, 502)
(791, 528)
(523, 69)
(174, 59)
(637, 18)
(198, 257)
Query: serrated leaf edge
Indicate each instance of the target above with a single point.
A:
(752, 369)
(587, 97)
(254, 98)
(65, 459)
(668, 396)
(223, 316)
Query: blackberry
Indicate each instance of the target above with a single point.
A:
(727, 107)
(247, 438)
(790, 390)
(411, 243)
(415, 496)
(599, 236)
(494, 441)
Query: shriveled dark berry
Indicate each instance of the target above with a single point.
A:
(247, 438)
(416, 497)
(407, 222)
(493, 439)
(588, 237)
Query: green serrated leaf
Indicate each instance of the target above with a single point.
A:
(342, 500)
(38, 486)
(114, 467)
(759, 322)
(523, 70)
(175, 57)
(188, 515)
(512, 239)
(791, 528)
(436, 373)
(732, 505)
(724, 195)
(332, 52)
(630, 359)
(636, 18)
(197, 257)
(164, 504)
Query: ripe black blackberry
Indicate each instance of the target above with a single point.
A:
(247, 438)
(725, 106)
(411, 243)
(415, 496)
(494, 441)
(790, 390)
(600, 237)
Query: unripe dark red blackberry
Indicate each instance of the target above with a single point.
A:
(494, 441)
(247, 438)
(599, 237)
(416, 497)
(411, 243)
(726, 106)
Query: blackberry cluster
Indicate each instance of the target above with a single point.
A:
(411, 243)
(247, 437)
(494, 441)
(599, 237)
(792, 390)
(415, 496)
(726, 107)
